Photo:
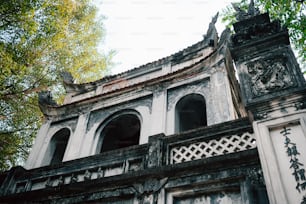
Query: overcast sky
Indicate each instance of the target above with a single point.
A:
(142, 31)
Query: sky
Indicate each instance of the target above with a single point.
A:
(142, 31)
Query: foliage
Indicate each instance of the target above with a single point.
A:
(40, 39)
(291, 13)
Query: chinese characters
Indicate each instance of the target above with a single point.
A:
(296, 166)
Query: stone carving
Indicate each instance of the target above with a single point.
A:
(256, 31)
(214, 18)
(125, 166)
(255, 176)
(147, 192)
(67, 77)
(211, 34)
(111, 193)
(100, 173)
(45, 98)
(49, 183)
(158, 89)
(300, 105)
(268, 76)
(155, 153)
(261, 115)
(61, 181)
(242, 15)
(304, 200)
(74, 178)
(87, 175)
(177, 93)
(101, 114)
(20, 187)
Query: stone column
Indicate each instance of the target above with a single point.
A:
(74, 147)
(156, 151)
(35, 158)
(281, 144)
(274, 93)
(158, 115)
(221, 97)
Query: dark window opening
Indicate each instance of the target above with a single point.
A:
(123, 131)
(58, 144)
(190, 113)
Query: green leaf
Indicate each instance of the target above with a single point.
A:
(38, 40)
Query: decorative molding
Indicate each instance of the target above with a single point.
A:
(60, 181)
(175, 94)
(147, 192)
(159, 89)
(300, 105)
(211, 148)
(99, 116)
(255, 176)
(261, 115)
(49, 183)
(100, 173)
(255, 32)
(304, 200)
(87, 175)
(269, 76)
(154, 158)
(242, 15)
(73, 178)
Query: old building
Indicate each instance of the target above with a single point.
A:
(179, 130)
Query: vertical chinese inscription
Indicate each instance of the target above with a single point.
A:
(297, 167)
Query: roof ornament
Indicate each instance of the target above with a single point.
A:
(252, 10)
(69, 84)
(215, 18)
(45, 99)
(243, 15)
(67, 77)
(212, 34)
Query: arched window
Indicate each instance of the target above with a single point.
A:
(190, 113)
(57, 146)
(122, 131)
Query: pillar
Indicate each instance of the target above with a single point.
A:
(76, 140)
(158, 114)
(35, 158)
(274, 93)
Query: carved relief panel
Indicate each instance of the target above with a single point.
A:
(269, 75)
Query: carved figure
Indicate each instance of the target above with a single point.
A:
(49, 182)
(67, 77)
(100, 173)
(147, 192)
(61, 181)
(73, 178)
(87, 175)
(242, 15)
(268, 76)
(45, 98)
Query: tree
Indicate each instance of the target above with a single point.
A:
(40, 39)
(291, 13)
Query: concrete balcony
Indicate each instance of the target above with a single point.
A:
(229, 147)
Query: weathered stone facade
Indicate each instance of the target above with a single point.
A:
(177, 130)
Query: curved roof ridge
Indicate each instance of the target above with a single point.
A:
(157, 62)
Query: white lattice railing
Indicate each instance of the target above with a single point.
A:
(214, 147)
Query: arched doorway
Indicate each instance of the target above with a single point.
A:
(190, 113)
(122, 131)
(57, 146)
